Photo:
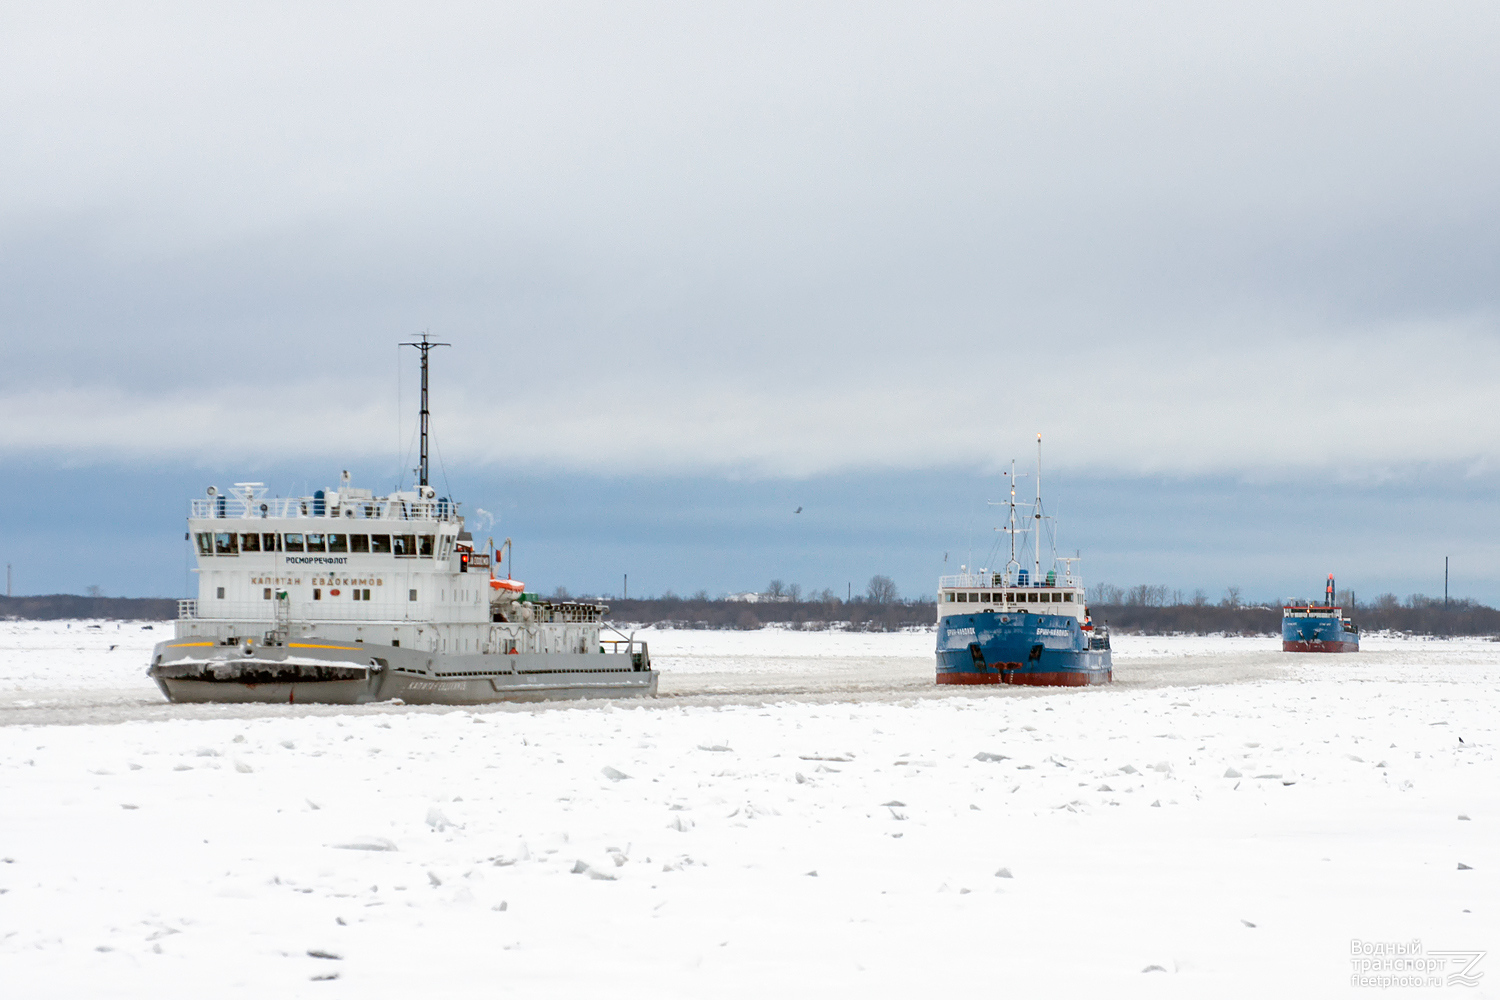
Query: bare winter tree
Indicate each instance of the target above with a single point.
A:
(1104, 593)
(1148, 596)
(775, 588)
(794, 592)
(1231, 597)
(882, 590)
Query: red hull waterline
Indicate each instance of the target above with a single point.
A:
(1317, 646)
(1053, 678)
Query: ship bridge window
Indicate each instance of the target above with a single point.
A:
(205, 543)
(425, 545)
(963, 598)
(380, 544)
(359, 543)
(948, 598)
(250, 542)
(293, 542)
(1057, 598)
(315, 543)
(338, 543)
(226, 543)
(270, 541)
(404, 545)
(1068, 597)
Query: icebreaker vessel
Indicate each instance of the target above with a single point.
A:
(344, 596)
(1318, 628)
(1020, 625)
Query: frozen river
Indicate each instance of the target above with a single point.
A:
(803, 813)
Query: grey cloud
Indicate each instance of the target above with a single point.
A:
(778, 239)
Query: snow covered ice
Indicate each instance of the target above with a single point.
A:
(1226, 816)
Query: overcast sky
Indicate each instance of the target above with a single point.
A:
(780, 244)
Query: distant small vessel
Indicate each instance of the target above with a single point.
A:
(1019, 626)
(1318, 628)
(348, 597)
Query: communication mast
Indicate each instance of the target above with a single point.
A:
(424, 347)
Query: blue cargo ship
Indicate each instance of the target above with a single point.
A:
(1318, 628)
(1020, 625)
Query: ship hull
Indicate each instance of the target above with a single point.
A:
(1020, 648)
(331, 673)
(1318, 646)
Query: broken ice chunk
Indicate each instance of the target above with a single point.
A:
(584, 868)
(367, 844)
(990, 757)
(612, 774)
(1004, 873)
(1230, 772)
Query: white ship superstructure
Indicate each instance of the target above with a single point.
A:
(348, 596)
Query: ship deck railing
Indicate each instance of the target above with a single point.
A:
(335, 609)
(990, 581)
(209, 508)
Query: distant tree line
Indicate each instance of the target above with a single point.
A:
(879, 609)
(1158, 610)
(1146, 609)
(52, 607)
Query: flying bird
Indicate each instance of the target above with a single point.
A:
(797, 511)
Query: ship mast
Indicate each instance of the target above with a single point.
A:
(1009, 576)
(424, 347)
(1037, 538)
